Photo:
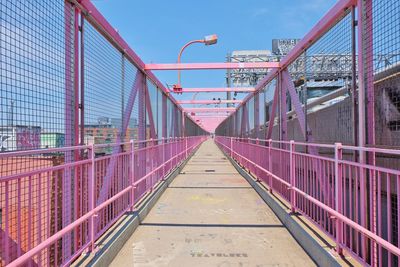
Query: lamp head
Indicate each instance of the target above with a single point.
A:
(210, 39)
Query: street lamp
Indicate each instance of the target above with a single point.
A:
(208, 40)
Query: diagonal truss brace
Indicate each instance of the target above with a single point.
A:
(127, 116)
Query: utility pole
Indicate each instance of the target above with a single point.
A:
(11, 118)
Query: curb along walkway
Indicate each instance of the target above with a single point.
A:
(211, 216)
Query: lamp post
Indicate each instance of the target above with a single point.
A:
(208, 40)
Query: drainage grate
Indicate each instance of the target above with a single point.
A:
(209, 170)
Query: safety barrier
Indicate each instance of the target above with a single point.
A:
(333, 191)
(108, 180)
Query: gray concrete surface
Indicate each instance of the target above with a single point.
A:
(211, 216)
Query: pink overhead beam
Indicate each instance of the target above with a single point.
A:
(208, 101)
(200, 110)
(218, 89)
(210, 115)
(212, 66)
(211, 119)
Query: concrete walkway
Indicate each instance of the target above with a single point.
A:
(211, 216)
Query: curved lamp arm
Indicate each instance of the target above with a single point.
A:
(180, 55)
(208, 40)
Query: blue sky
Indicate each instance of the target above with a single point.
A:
(157, 29)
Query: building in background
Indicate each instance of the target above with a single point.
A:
(250, 77)
(52, 140)
(314, 75)
(19, 137)
(322, 70)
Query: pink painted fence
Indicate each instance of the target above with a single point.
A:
(106, 186)
(333, 191)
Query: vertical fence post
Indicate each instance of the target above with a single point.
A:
(91, 187)
(231, 147)
(257, 158)
(171, 153)
(176, 140)
(292, 176)
(338, 195)
(132, 144)
(186, 147)
(151, 162)
(270, 164)
(247, 154)
(163, 157)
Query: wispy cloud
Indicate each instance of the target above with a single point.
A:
(260, 12)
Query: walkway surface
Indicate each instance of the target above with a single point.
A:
(211, 216)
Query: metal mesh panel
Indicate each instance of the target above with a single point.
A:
(153, 95)
(178, 122)
(385, 32)
(103, 88)
(170, 118)
(36, 111)
(261, 108)
(384, 41)
(189, 129)
(381, 54)
(269, 90)
(35, 50)
(325, 67)
(250, 116)
(239, 118)
(130, 80)
(159, 113)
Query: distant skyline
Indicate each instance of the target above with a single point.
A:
(156, 30)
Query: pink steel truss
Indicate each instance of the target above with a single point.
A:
(111, 167)
(208, 110)
(208, 101)
(207, 115)
(217, 89)
(121, 131)
(212, 66)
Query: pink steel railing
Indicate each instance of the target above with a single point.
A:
(32, 197)
(333, 191)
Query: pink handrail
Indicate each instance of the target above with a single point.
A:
(152, 173)
(328, 212)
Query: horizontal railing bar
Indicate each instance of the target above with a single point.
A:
(42, 170)
(42, 151)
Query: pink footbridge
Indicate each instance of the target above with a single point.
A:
(320, 129)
